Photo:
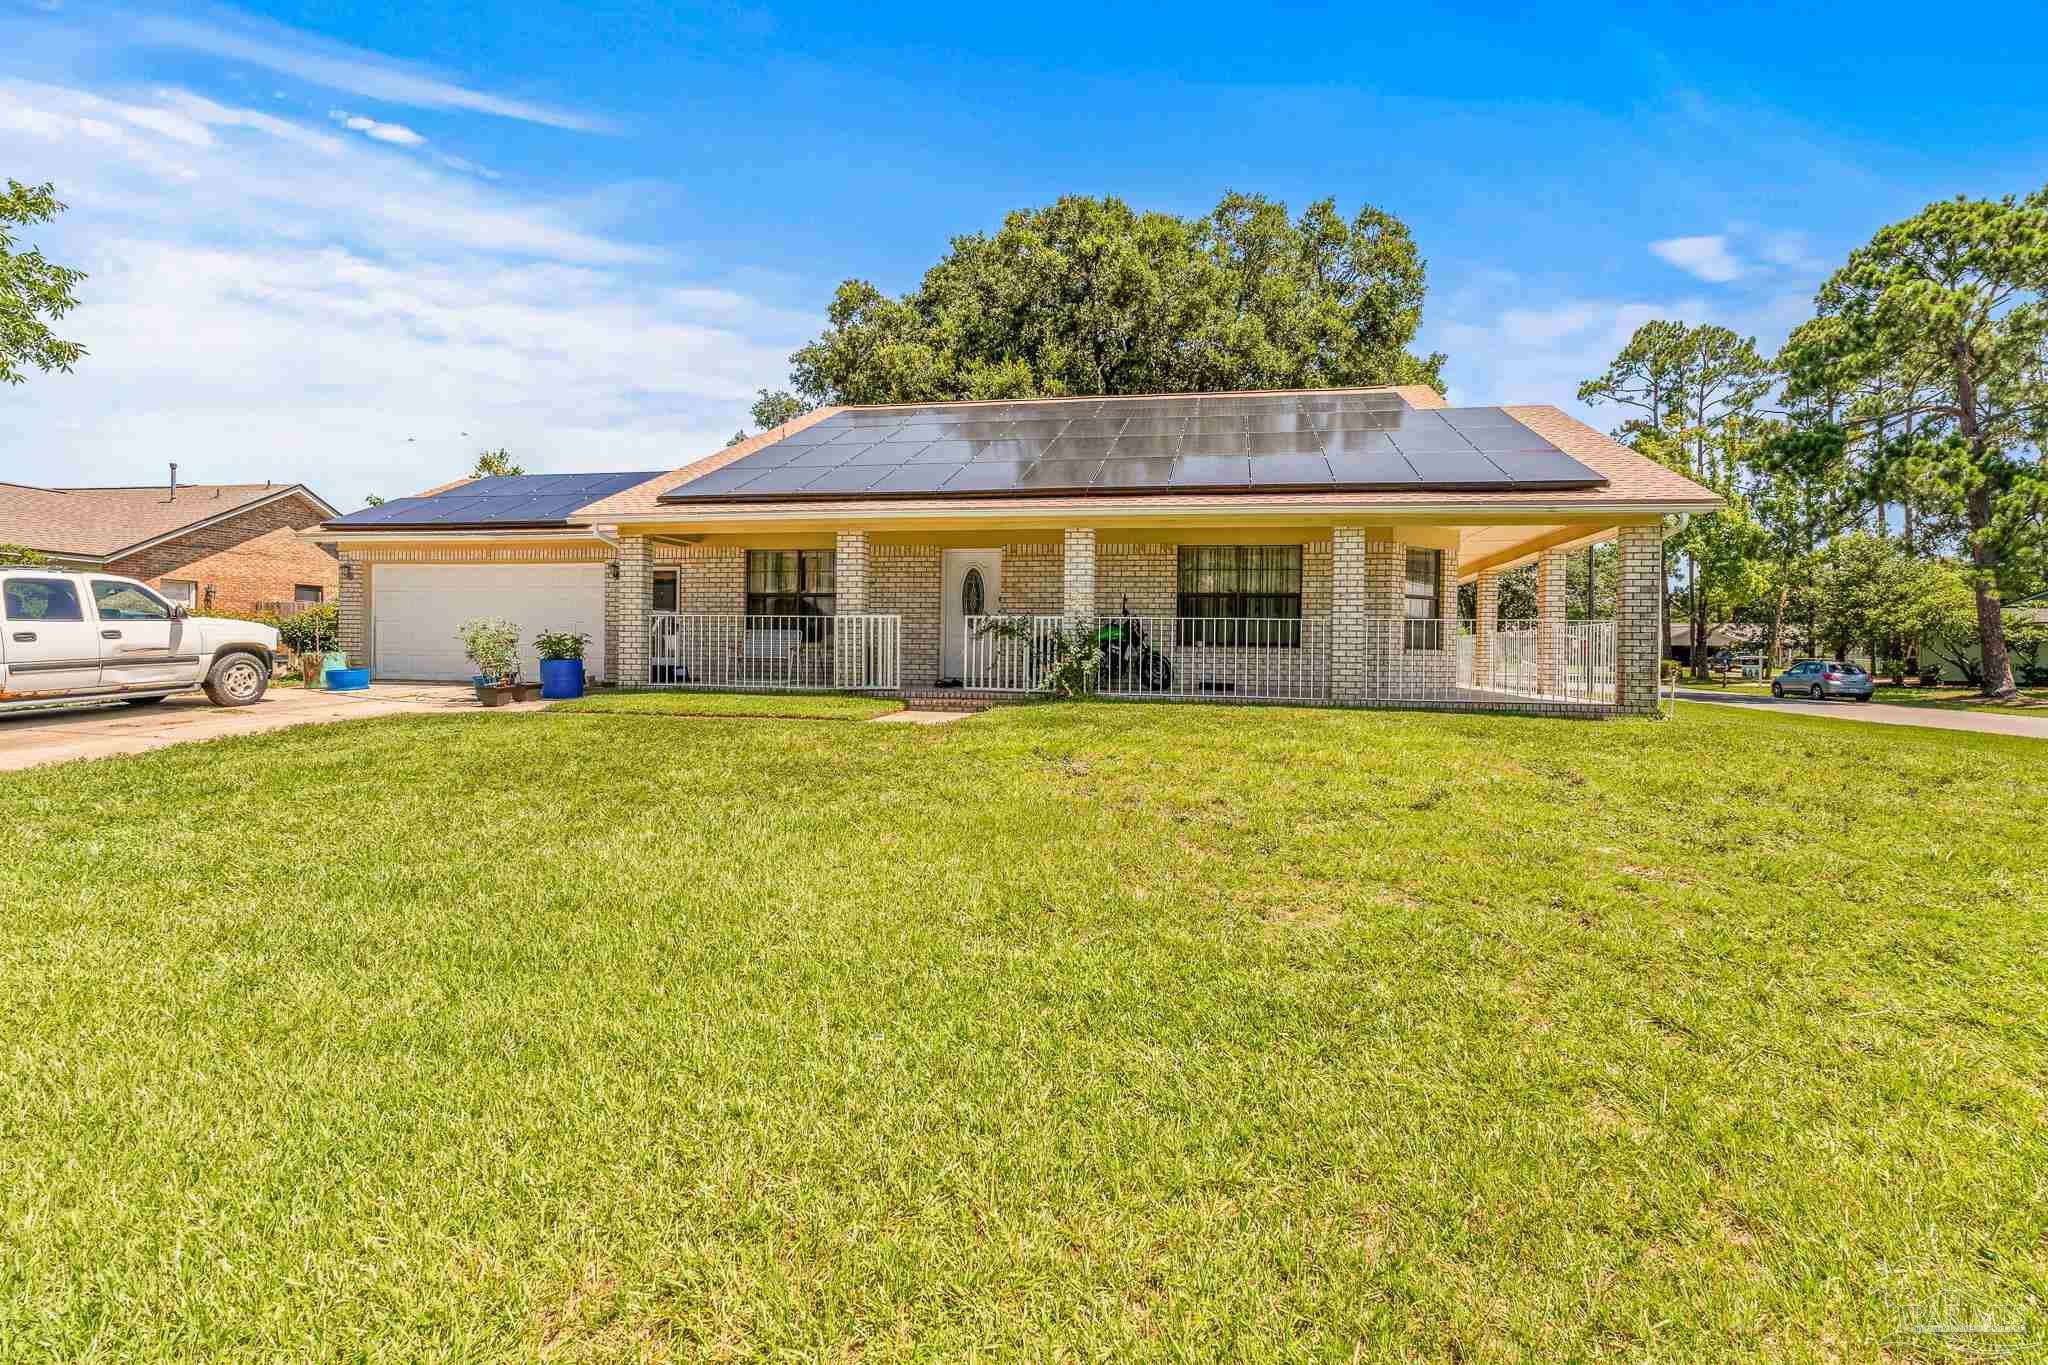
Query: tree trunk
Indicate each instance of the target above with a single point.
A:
(1777, 658)
(1998, 679)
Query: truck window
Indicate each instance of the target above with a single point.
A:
(42, 599)
(127, 602)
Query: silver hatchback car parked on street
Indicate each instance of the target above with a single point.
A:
(1822, 678)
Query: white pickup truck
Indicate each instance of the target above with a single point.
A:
(98, 637)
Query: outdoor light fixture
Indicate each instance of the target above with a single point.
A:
(348, 571)
(611, 570)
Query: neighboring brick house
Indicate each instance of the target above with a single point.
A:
(214, 547)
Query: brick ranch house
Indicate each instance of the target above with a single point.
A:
(1282, 546)
(226, 547)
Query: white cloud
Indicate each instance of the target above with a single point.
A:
(336, 66)
(1707, 258)
(395, 133)
(344, 318)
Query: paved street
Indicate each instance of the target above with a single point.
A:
(35, 737)
(1876, 713)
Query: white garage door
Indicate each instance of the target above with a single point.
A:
(415, 608)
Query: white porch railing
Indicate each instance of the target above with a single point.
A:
(1563, 661)
(1161, 656)
(851, 652)
(1399, 659)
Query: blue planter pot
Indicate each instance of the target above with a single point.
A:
(348, 679)
(561, 679)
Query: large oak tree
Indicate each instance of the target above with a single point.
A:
(1089, 296)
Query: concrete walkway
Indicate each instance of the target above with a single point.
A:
(1877, 713)
(30, 738)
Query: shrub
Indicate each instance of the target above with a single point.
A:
(492, 644)
(561, 644)
(1066, 658)
(312, 631)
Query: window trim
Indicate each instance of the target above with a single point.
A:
(1424, 632)
(814, 610)
(191, 586)
(319, 597)
(1234, 603)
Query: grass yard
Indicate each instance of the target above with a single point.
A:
(1064, 1032)
(783, 706)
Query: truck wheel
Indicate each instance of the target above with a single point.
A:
(237, 680)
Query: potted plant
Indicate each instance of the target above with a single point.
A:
(561, 662)
(492, 645)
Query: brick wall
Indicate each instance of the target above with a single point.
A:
(249, 558)
(907, 580)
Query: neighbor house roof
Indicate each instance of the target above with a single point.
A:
(105, 523)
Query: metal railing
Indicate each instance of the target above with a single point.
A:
(852, 652)
(1167, 657)
(1561, 661)
(1398, 659)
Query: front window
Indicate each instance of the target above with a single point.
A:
(183, 591)
(665, 590)
(118, 601)
(792, 583)
(1423, 601)
(42, 599)
(308, 593)
(1240, 595)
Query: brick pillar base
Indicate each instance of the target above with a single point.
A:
(1077, 577)
(852, 643)
(1349, 627)
(1551, 616)
(1639, 617)
(636, 604)
(352, 612)
(1485, 628)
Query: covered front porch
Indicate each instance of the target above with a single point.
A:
(1247, 612)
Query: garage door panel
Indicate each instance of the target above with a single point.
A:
(415, 609)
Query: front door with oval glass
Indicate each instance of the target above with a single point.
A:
(973, 586)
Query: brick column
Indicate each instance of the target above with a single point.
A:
(611, 624)
(1485, 628)
(1391, 672)
(856, 650)
(353, 611)
(850, 571)
(1639, 617)
(1551, 615)
(635, 590)
(1348, 610)
(1077, 577)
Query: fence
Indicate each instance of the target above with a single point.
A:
(852, 652)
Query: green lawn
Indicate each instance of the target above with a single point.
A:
(1092, 1032)
(799, 706)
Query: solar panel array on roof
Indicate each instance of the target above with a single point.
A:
(1324, 442)
(507, 500)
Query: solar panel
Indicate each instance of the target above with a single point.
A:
(1245, 441)
(1290, 470)
(916, 478)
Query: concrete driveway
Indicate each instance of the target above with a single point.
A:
(29, 738)
(1877, 713)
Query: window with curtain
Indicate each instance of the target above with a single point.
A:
(1424, 600)
(792, 583)
(1240, 595)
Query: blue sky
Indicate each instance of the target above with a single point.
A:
(350, 244)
